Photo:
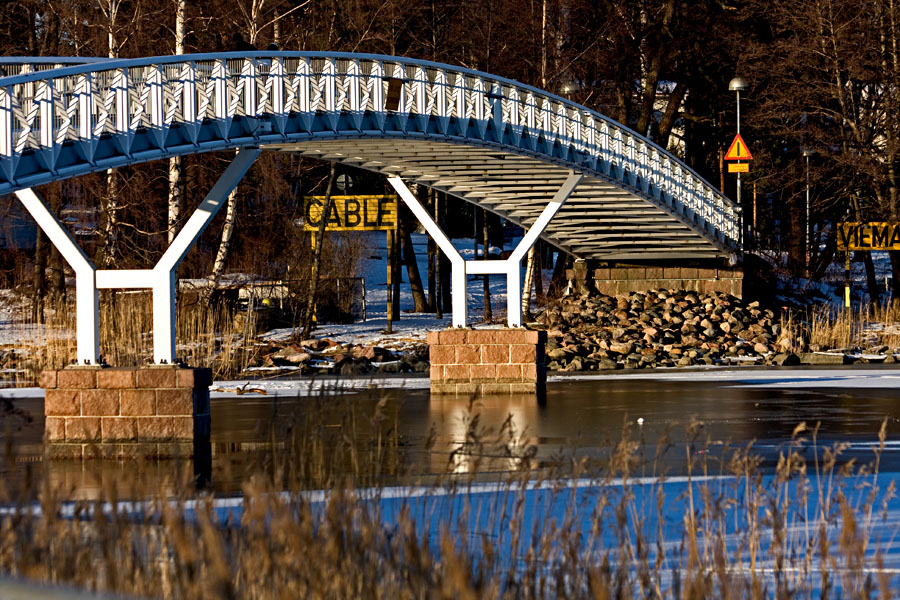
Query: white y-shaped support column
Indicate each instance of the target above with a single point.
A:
(510, 267)
(161, 279)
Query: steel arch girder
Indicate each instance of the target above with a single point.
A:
(67, 121)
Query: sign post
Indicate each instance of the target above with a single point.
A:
(357, 213)
(389, 246)
(847, 280)
(738, 151)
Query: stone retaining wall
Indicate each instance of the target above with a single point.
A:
(487, 361)
(97, 405)
(624, 279)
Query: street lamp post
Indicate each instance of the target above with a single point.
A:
(806, 154)
(738, 85)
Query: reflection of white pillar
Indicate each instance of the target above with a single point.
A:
(509, 267)
(87, 300)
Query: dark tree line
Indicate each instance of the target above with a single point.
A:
(824, 77)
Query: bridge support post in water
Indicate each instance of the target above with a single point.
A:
(161, 279)
(487, 361)
(120, 412)
(511, 267)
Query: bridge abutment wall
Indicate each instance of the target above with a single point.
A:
(117, 412)
(612, 279)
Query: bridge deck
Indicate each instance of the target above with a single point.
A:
(599, 221)
(491, 141)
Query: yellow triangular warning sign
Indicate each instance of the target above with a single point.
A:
(738, 150)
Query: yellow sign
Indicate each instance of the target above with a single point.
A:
(868, 236)
(738, 150)
(738, 167)
(352, 213)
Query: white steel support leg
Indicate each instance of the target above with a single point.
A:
(510, 267)
(164, 317)
(458, 277)
(161, 279)
(513, 294)
(513, 273)
(163, 275)
(207, 209)
(87, 300)
(87, 318)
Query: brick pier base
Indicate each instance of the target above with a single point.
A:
(487, 361)
(158, 411)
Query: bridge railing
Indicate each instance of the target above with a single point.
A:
(282, 94)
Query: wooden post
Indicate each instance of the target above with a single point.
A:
(847, 281)
(390, 279)
(438, 293)
(313, 273)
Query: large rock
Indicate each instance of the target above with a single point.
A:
(786, 359)
(823, 358)
(621, 348)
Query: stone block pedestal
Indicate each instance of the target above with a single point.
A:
(487, 361)
(156, 410)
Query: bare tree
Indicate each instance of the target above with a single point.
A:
(307, 327)
(175, 167)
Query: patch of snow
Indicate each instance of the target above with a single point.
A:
(884, 378)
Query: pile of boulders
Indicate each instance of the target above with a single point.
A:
(663, 328)
(326, 356)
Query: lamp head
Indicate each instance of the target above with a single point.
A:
(738, 84)
(807, 152)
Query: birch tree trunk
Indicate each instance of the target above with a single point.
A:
(529, 263)
(175, 163)
(109, 202)
(222, 253)
(526, 287)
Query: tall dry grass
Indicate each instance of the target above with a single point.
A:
(206, 336)
(801, 528)
(828, 328)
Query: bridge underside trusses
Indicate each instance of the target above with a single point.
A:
(599, 221)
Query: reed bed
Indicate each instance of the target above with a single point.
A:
(206, 336)
(871, 327)
(329, 515)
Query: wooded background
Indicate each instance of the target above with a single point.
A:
(823, 75)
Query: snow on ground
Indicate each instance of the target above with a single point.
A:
(746, 377)
(14, 332)
(831, 288)
(750, 377)
(412, 327)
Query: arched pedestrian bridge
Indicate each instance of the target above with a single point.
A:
(566, 173)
